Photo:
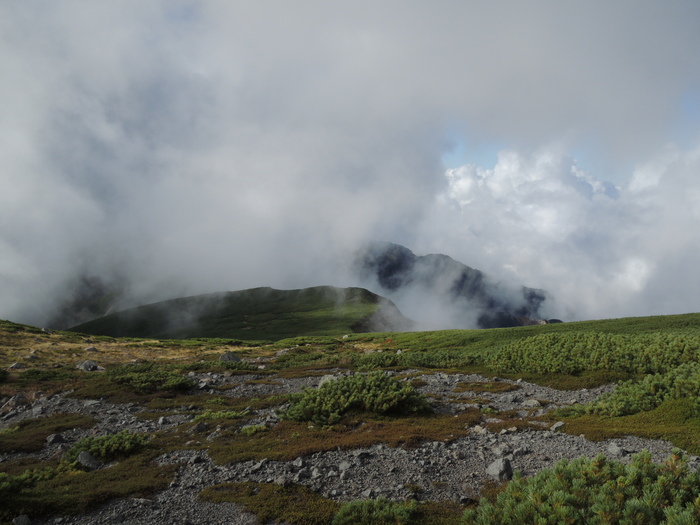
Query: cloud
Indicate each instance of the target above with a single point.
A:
(602, 250)
(186, 147)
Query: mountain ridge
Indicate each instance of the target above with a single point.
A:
(261, 313)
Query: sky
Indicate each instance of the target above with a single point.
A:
(179, 147)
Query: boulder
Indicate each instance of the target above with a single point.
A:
(88, 461)
(89, 366)
(229, 357)
(500, 470)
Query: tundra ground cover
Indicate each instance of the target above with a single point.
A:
(654, 356)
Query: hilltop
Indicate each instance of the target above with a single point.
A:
(255, 314)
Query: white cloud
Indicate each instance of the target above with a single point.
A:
(222, 145)
(603, 251)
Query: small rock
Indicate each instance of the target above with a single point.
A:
(531, 403)
(22, 520)
(91, 349)
(326, 379)
(88, 366)
(163, 420)
(88, 461)
(368, 493)
(557, 425)
(344, 465)
(15, 366)
(229, 357)
(500, 470)
(302, 474)
(282, 481)
(16, 401)
(55, 438)
(616, 450)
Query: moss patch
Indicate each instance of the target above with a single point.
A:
(292, 504)
(437, 513)
(676, 420)
(481, 387)
(81, 492)
(31, 434)
(290, 439)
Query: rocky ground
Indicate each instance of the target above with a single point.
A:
(434, 471)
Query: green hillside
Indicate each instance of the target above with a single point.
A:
(257, 314)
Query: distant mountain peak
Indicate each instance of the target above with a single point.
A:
(466, 292)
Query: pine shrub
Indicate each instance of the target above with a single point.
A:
(373, 392)
(109, 447)
(598, 491)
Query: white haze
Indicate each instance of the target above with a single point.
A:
(183, 147)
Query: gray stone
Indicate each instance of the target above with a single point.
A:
(22, 520)
(282, 481)
(368, 493)
(88, 366)
(16, 401)
(229, 357)
(55, 438)
(327, 379)
(531, 403)
(15, 366)
(344, 465)
(616, 450)
(500, 470)
(91, 349)
(88, 461)
(557, 425)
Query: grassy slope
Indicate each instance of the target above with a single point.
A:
(255, 314)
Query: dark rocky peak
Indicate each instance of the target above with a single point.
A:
(397, 269)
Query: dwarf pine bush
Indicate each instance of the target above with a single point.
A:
(598, 491)
(108, 447)
(630, 397)
(373, 392)
(576, 352)
(147, 378)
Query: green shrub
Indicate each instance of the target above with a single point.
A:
(38, 374)
(576, 352)
(251, 430)
(147, 378)
(375, 512)
(373, 392)
(10, 485)
(587, 490)
(631, 397)
(108, 447)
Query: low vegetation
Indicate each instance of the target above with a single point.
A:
(585, 491)
(374, 392)
(374, 399)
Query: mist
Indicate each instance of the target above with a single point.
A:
(178, 148)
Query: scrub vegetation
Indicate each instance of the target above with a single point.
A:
(373, 399)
